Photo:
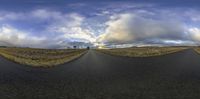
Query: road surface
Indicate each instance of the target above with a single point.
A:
(100, 76)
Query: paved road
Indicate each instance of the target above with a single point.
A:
(100, 76)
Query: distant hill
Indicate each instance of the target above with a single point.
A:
(5, 44)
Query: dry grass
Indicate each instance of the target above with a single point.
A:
(40, 57)
(142, 51)
(197, 49)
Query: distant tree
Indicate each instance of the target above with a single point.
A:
(74, 47)
(88, 48)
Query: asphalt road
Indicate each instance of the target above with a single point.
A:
(100, 76)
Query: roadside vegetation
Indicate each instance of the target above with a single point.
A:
(197, 49)
(41, 57)
(142, 51)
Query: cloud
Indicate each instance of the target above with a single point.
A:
(130, 28)
(71, 27)
(45, 14)
(14, 37)
(114, 24)
(195, 33)
(55, 27)
(10, 16)
(193, 15)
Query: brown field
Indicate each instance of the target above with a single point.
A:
(41, 57)
(197, 49)
(142, 51)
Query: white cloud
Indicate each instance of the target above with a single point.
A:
(44, 14)
(193, 15)
(71, 28)
(11, 16)
(195, 33)
(61, 27)
(15, 37)
(129, 28)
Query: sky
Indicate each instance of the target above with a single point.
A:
(111, 23)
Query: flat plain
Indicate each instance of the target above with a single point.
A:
(41, 57)
(142, 51)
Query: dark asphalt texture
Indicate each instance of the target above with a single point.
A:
(99, 76)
